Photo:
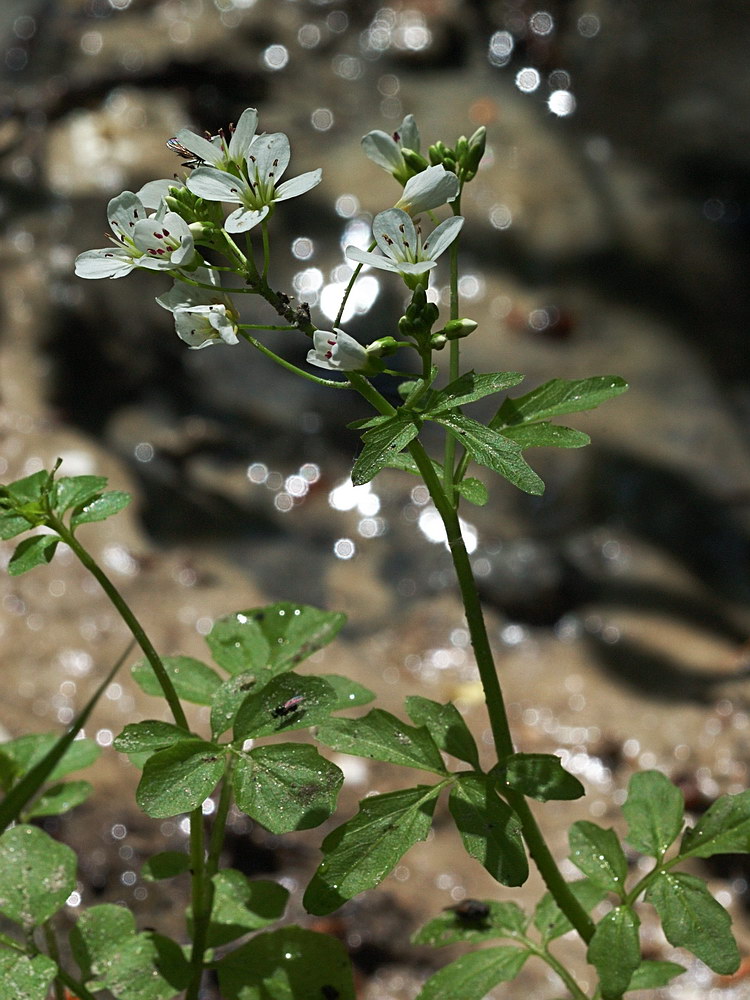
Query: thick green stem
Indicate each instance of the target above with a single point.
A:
(127, 616)
(201, 900)
(220, 821)
(454, 363)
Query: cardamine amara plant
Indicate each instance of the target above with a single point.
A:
(209, 232)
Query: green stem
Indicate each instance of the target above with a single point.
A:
(54, 953)
(220, 821)
(293, 368)
(573, 988)
(454, 355)
(74, 986)
(266, 249)
(201, 900)
(350, 285)
(263, 326)
(127, 616)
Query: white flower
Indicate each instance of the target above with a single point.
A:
(429, 189)
(401, 243)
(337, 350)
(202, 316)
(216, 151)
(385, 150)
(266, 160)
(160, 242)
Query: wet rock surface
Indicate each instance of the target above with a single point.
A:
(607, 240)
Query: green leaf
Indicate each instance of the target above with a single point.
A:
(490, 830)
(651, 975)
(29, 750)
(24, 978)
(12, 525)
(693, 919)
(722, 829)
(166, 864)
(598, 854)
(149, 736)
(60, 798)
(557, 397)
(546, 435)
(472, 976)
(446, 726)
(31, 552)
(229, 696)
(179, 778)
(132, 966)
(275, 709)
(381, 736)
(37, 874)
(491, 448)
(287, 964)
(654, 810)
(615, 951)
(381, 443)
(192, 680)
(286, 786)
(360, 853)
(100, 508)
(549, 919)
(349, 694)
(502, 920)
(29, 488)
(241, 905)
(278, 636)
(468, 388)
(538, 775)
(473, 490)
(73, 491)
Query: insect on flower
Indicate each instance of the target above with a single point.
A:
(191, 159)
(288, 707)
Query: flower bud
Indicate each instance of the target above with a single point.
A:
(456, 328)
(475, 152)
(415, 161)
(382, 348)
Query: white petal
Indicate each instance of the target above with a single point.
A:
(105, 263)
(223, 325)
(298, 185)
(408, 134)
(203, 148)
(420, 267)
(152, 193)
(243, 134)
(431, 188)
(395, 233)
(381, 149)
(373, 259)
(269, 155)
(216, 185)
(442, 236)
(243, 219)
(318, 360)
(123, 212)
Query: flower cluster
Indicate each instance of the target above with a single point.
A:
(162, 226)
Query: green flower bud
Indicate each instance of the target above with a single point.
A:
(382, 348)
(415, 161)
(474, 154)
(457, 328)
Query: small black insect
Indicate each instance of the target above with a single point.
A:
(288, 707)
(470, 911)
(329, 993)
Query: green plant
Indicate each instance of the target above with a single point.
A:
(254, 691)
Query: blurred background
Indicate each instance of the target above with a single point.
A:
(606, 234)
